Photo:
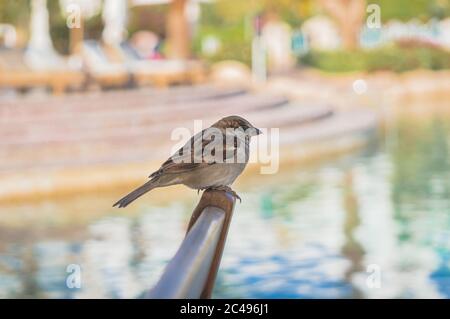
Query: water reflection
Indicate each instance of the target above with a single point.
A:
(313, 236)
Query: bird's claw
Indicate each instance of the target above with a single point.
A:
(228, 190)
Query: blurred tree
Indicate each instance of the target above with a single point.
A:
(150, 18)
(177, 29)
(349, 16)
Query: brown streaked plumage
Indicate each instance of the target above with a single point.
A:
(194, 167)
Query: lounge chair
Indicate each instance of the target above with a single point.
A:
(156, 72)
(100, 68)
(16, 72)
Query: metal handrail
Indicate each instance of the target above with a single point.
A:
(192, 271)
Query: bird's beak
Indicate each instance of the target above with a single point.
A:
(253, 131)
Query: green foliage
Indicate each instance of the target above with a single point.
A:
(231, 21)
(235, 44)
(231, 25)
(405, 10)
(16, 12)
(394, 58)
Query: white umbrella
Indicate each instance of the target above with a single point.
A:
(115, 18)
(39, 27)
(40, 54)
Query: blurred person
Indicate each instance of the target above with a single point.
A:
(147, 45)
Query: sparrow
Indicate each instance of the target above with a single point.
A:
(211, 159)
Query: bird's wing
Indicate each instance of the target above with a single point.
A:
(192, 155)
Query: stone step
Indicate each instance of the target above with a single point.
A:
(67, 107)
(341, 124)
(94, 125)
(147, 144)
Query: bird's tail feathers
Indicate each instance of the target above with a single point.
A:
(138, 192)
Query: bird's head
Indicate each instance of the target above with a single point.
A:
(236, 122)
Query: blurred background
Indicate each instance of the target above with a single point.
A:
(90, 92)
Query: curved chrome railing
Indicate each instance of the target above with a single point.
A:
(192, 271)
